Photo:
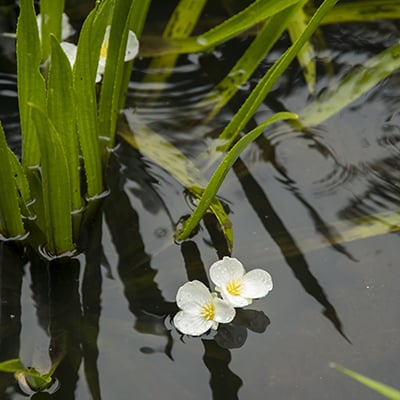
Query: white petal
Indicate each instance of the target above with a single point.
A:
(192, 296)
(224, 312)
(70, 51)
(235, 301)
(66, 28)
(132, 47)
(191, 324)
(256, 283)
(226, 270)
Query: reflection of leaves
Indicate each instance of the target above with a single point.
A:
(224, 383)
(234, 335)
(283, 238)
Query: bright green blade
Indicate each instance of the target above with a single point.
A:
(12, 366)
(61, 111)
(10, 214)
(256, 12)
(180, 25)
(114, 72)
(306, 55)
(51, 23)
(264, 86)
(222, 170)
(366, 10)
(269, 34)
(55, 186)
(384, 390)
(84, 77)
(31, 85)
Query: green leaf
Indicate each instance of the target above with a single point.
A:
(51, 15)
(180, 25)
(84, 76)
(55, 186)
(37, 381)
(367, 10)
(12, 366)
(220, 173)
(256, 12)
(10, 215)
(351, 87)
(139, 15)
(384, 390)
(306, 55)
(245, 113)
(156, 148)
(269, 34)
(113, 75)
(61, 112)
(31, 85)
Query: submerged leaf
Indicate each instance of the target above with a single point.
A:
(351, 87)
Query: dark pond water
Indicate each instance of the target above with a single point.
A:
(107, 314)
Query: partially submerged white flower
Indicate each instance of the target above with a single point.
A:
(132, 49)
(66, 28)
(235, 285)
(200, 310)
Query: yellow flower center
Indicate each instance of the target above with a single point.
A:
(234, 287)
(104, 50)
(208, 311)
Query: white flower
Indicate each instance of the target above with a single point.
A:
(201, 310)
(236, 286)
(66, 28)
(132, 49)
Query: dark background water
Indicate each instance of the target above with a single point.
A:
(107, 313)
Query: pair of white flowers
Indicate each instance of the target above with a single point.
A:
(202, 310)
(70, 49)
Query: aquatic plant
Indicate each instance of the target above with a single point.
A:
(381, 388)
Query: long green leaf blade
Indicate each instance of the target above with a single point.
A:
(12, 366)
(113, 75)
(84, 77)
(256, 12)
(384, 390)
(264, 86)
(220, 173)
(306, 55)
(31, 85)
(51, 17)
(264, 41)
(61, 111)
(11, 224)
(55, 186)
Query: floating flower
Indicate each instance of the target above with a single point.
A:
(132, 49)
(201, 310)
(236, 286)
